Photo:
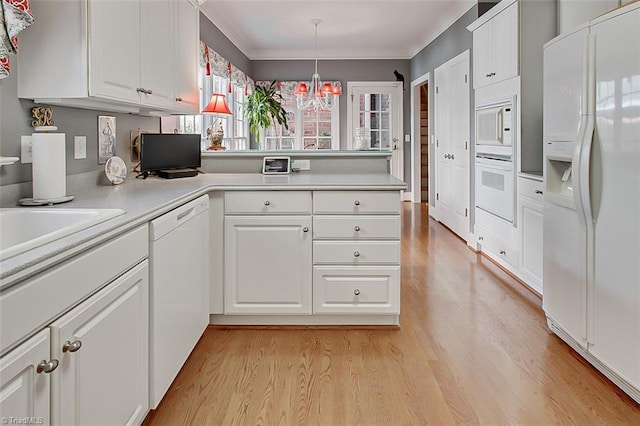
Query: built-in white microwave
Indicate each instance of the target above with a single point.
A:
(495, 124)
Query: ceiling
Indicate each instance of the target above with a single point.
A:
(350, 29)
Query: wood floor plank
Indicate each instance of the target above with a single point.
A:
(473, 347)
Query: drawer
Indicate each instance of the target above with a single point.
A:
(267, 202)
(356, 252)
(356, 227)
(356, 202)
(497, 249)
(531, 189)
(356, 289)
(52, 293)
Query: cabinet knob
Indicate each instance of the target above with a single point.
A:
(539, 192)
(480, 238)
(140, 90)
(356, 228)
(305, 229)
(356, 203)
(356, 292)
(502, 252)
(267, 203)
(488, 75)
(178, 99)
(47, 367)
(356, 254)
(149, 92)
(71, 346)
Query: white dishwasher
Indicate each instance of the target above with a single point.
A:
(178, 290)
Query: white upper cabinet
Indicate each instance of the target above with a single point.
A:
(187, 47)
(495, 47)
(127, 56)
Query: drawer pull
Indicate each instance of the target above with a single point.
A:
(356, 254)
(267, 203)
(356, 292)
(502, 252)
(71, 347)
(47, 367)
(356, 228)
(539, 192)
(356, 202)
(305, 229)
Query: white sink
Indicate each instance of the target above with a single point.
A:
(23, 229)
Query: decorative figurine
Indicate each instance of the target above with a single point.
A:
(215, 137)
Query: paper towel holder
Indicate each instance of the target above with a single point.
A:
(36, 202)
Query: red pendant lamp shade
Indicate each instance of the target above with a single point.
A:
(302, 89)
(217, 105)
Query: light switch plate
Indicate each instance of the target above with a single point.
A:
(301, 165)
(79, 147)
(25, 150)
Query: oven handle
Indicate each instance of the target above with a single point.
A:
(487, 163)
(501, 126)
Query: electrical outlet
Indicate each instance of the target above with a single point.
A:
(25, 150)
(79, 147)
(301, 165)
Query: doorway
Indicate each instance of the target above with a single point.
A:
(421, 138)
(375, 109)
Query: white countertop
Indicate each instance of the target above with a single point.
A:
(144, 199)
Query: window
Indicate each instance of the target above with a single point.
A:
(308, 129)
(235, 127)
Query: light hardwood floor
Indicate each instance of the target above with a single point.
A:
(472, 347)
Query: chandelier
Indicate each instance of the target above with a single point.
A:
(315, 94)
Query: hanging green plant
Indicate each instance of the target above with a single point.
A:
(264, 107)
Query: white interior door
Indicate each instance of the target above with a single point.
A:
(377, 107)
(452, 130)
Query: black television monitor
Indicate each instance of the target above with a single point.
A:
(168, 151)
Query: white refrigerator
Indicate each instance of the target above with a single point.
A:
(591, 260)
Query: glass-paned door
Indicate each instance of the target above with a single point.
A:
(375, 120)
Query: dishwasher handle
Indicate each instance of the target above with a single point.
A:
(175, 218)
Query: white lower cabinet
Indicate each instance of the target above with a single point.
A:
(530, 215)
(267, 253)
(294, 264)
(356, 289)
(25, 375)
(102, 346)
(356, 252)
(79, 353)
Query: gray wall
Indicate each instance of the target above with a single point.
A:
(343, 71)
(455, 40)
(216, 40)
(15, 120)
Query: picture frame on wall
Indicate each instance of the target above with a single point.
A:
(106, 138)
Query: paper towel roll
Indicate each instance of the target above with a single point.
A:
(49, 166)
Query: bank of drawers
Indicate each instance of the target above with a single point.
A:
(356, 252)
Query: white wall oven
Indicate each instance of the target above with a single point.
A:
(495, 185)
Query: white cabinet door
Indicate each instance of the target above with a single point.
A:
(505, 44)
(495, 48)
(268, 265)
(187, 61)
(531, 222)
(157, 52)
(102, 345)
(24, 391)
(114, 49)
(483, 55)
